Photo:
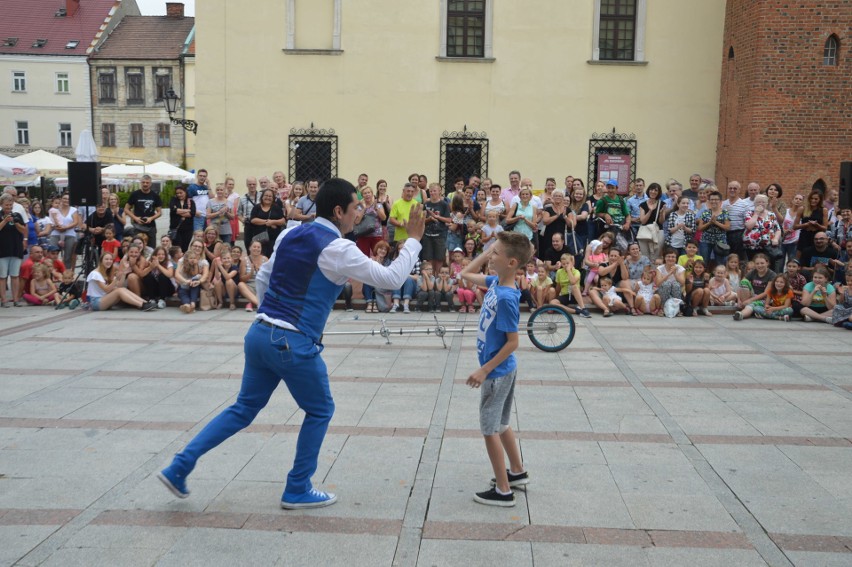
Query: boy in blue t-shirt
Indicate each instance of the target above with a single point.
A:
(496, 341)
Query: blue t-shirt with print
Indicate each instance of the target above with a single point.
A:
(499, 315)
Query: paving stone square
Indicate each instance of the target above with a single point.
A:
(649, 442)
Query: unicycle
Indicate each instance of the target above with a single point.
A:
(551, 328)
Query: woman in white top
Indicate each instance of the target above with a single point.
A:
(106, 287)
(671, 278)
(496, 204)
(65, 220)
(791, 218)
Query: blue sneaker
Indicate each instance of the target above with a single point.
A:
(311, 499)
(847, 325)
(176, 485)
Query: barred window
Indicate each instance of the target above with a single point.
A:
(162, 82)
(466, 28)
(617, 30)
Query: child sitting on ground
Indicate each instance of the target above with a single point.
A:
(444, 289)
(42, 289)
(721, 292)
(568, 291)
(697, 289)
(523, 285)
(70, 292)
(688, 260)
(541, 288)
(647, 302)
(595, 258)
(465, 291)
(426, 300)
(779, 300)
(610, 297)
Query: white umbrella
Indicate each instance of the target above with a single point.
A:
(123, 171)
(165, 171)
(12, 170)
(86, 149)
(47, 164)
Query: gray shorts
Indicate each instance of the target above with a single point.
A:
(495, 403)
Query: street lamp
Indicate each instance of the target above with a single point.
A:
(171, 100)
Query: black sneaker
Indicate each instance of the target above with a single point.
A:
(515, 480)
(493, 498)
(149, 306)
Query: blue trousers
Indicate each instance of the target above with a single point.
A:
(272, 355)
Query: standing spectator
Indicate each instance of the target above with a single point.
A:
(297, 191)
(118, 218)
(634, 203)
(199, 192)
(814, 220)
(681, 226)
(713, 224)
(841, 229)
(267, 218)
(370, 216)
(513, 190)
(306, 209)
(776, 205)
(762, 231)
(246, 204)
(577, 229)
(555, 221)
(694, 187)
(13, 229)
(737, 209)
(144, 207)
(96, 225)
(401, 210)
(383, 199)
(219, 213)
(495, 203)
(65, 220)
(363, 179)
(181, 215)
(523, 216)
(233, 199)
(43, 226)
(435, 236)
(652, 211)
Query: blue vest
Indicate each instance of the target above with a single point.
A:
(298, 292)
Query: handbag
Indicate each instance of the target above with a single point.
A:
(368, 224)
(208, 300)
(651, 232)
(262, 237)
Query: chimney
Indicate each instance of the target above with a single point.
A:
(173, 9)
(71, 7)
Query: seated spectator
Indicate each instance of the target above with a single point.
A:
(819, 298)
(647, 302)
(841, 316)
(779, 300)
(189, 275)
(465, 291)
(670, 278)
(821, 253)
(594, 259)
(698, 290)
(690, 257)
(375, 297)
(636, 262)
(475, 235)
(226, 276)
(346, 295)
(606, 294)
(110, 245)
(470, 251)
(842, 260)
(42, 290)
(213, 245)
(541, 287)
(70, 291)
(426, 293)
(568, 292)
(444, 289)
(616, 270)
(409, 289)
(754, 283)
(523, 285)
(106, 287)
(157, 282)
(719, 286)
(141, 240)
(251, 265)
(734, 271)
(137, 267)
(797, 285)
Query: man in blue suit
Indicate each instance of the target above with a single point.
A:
(298, 286)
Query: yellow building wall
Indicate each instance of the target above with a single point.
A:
(389, 99)
(188, 101)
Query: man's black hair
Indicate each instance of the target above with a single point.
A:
(333, 193)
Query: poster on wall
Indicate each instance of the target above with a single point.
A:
(615, 167)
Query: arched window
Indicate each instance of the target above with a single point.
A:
(829, 53)
(731, 52)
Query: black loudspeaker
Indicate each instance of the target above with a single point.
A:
(845, 185)
(84, 183)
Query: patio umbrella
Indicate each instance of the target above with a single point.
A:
(123, 171)
(165, 171)
(47, 164)
(86, 149)
(12, 170)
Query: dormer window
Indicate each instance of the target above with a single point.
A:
(72, 44)
(60, 13)
(40, 43)
(10, 42)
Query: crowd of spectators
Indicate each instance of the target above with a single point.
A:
(630, 249)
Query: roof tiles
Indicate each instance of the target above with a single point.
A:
(146, 37)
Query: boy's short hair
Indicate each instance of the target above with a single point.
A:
(564, 256)
(693, 243)
(516, 246)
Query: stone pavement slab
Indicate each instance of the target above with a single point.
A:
(706, 442)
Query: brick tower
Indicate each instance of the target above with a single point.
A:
(785, 111)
